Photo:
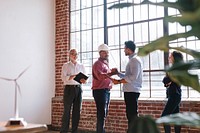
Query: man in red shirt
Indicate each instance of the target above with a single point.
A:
(101, 86)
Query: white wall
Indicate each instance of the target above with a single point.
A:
(27, 30)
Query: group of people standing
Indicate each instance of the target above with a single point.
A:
(102, 83)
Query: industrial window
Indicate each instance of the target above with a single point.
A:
(92, 24)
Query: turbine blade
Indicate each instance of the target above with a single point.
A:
(6, 79)
(22, 72)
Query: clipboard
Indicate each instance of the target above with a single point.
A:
(80, 76)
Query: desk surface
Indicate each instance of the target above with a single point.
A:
(22, 129)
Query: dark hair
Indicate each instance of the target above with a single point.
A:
(177, 56)
(130, 45)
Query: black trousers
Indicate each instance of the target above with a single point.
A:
(72, 98)
(131, 101)
(172, 107)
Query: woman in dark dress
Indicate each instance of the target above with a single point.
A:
(173, 91)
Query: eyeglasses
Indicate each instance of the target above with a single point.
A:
(75, 54)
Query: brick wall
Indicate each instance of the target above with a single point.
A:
(62, 41)
(116, 121)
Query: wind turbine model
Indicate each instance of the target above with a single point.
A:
(16, 120)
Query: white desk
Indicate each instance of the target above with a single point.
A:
(29, 128)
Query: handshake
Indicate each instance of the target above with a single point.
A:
(114, 71)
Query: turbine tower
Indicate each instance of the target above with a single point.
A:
(16, 120)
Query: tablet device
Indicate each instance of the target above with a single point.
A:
(79, 76)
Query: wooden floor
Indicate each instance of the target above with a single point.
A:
(51, 132)
(69, 132)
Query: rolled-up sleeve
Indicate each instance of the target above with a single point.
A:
(65, 76)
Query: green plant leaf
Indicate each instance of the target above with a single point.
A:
(181, 76)
(160, 44)
(188, 5)
(195, 30)
(143, 124)
(121, 5)
(185, 19)
(128, 4)
(186, 118)
(165, 4)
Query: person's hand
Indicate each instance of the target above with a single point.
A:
(72, 77)
(115, 81)
(114, 71)
(83, 81)
(168, 84)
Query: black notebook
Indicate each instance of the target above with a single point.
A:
(80, 76)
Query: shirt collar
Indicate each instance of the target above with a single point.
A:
(104, 61)
(132, 55)
(72, 63)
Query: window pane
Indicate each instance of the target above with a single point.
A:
(126, 33)
(86, 3)
(86, 41)
(156, 28)
(172, 11)
(95, 56)
(157, 87)
(114, 59)
(75, 5)
(86, 58)
(141, 32)
(184, 92)
(172, 28)
(140, 12)
(75, 21)
(126, 15)
(113, 16)
(75, 40)
(193, 93)
(156, 11)
(157, 60)
(113, 38)
(98, 38)
(98, 17)
(97, 2)
(116, 91)
(175, 28)
(145, 85)
(86, 19)
(145, 62)
(194, 44)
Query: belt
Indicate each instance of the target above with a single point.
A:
(73, 86)
(107, 89)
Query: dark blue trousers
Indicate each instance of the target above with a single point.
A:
(131, 101)
(72, 98)
(172, 107)
(102, 100)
